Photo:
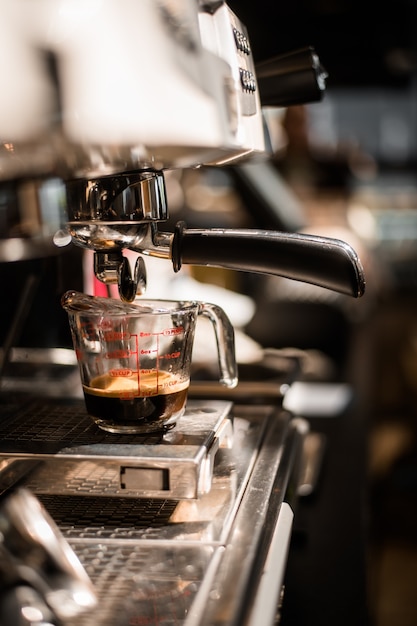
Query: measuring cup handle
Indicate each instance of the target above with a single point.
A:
(225, 339)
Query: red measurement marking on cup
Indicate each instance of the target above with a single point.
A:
(151, 352)
(168, 384)
(113, 335)
(136, 354)
(169, 332)
(172, 355)
(126, 372)
(146, 393)
(127, 395)
(118, 354)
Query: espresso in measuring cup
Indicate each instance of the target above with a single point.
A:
(135, 358)
(137, 401)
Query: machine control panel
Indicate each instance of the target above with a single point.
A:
(242, 42)
(247, 76)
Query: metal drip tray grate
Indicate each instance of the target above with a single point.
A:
(140, 584)
(56, 425)
(109, 518)
(77, 458)
(184, 562)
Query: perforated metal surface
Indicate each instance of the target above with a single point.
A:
(108, 518)
(139, 585)
(78, 458)
(151, 560)
(54, 425)
(148, 559)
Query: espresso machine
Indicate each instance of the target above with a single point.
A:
(98, 101)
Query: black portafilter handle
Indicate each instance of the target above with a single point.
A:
(289, 79)
(326, 262)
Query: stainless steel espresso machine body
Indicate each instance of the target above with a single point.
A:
(105, 100)
(98, 100)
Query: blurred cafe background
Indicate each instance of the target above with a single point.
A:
(350, 165)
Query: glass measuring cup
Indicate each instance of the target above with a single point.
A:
(135, 358)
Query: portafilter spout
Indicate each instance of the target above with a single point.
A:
(111, 213)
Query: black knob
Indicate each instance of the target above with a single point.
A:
(293, 78)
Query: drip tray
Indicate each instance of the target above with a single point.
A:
(67, 454)
(162, 560)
